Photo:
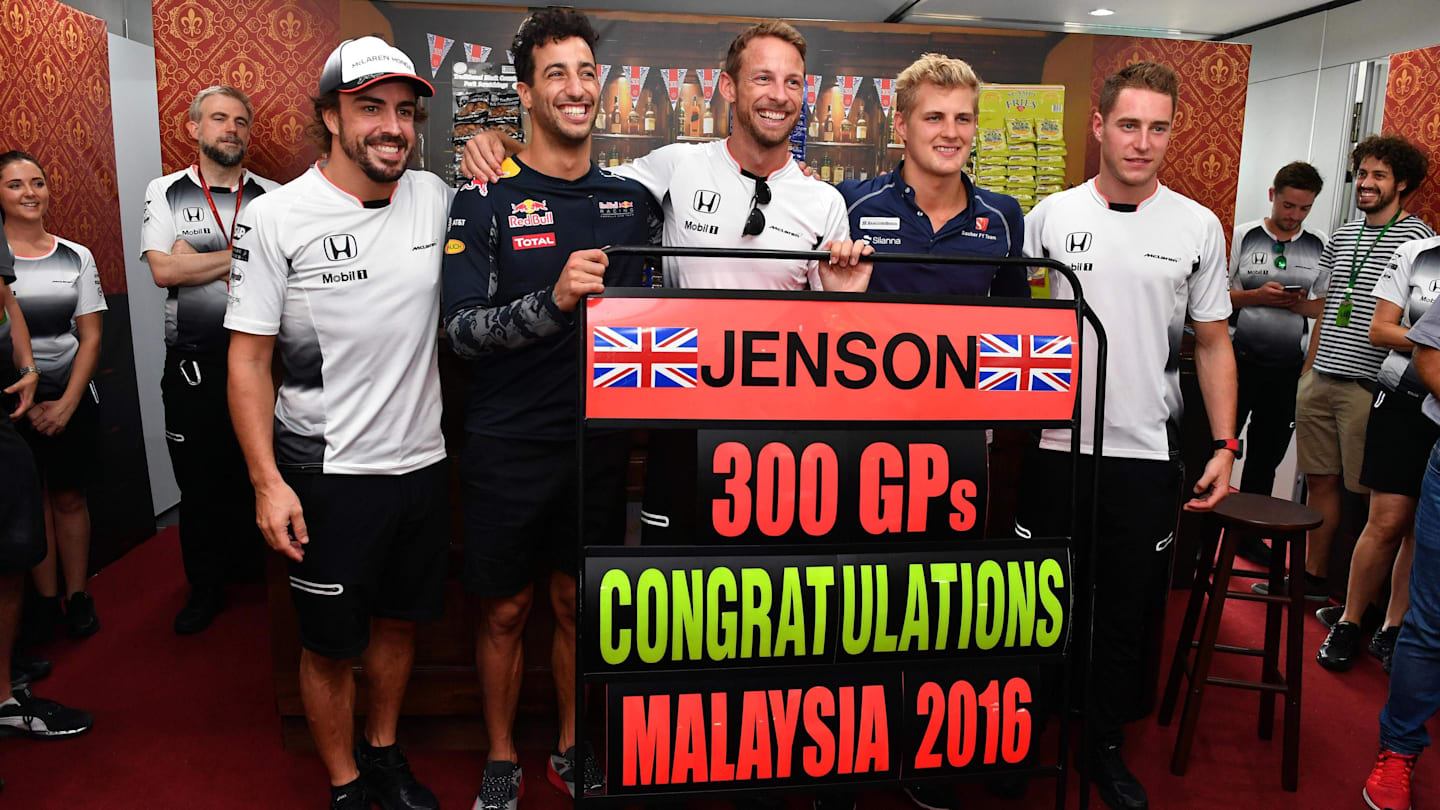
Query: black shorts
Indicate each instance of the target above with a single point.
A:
(378, 548)
(519, 506)
(22, 515)
(1398, 439)
(67, 460)
(668, 515)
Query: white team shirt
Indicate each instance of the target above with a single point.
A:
(353, 293)
(53, 290)
(1411, 282)
(707, 200)
(1140, 271)
(176, 208)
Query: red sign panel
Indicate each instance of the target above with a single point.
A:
(860, 360)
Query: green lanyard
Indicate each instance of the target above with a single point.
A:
(1342, 313)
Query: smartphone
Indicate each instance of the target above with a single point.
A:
(1293, 288)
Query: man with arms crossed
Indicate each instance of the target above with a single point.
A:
(928, 204)
(1338, 383)
(1145, 255)
(1273, 265)
(520, 255)
(340, 270)
(188, 229)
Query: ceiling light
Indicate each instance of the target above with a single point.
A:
(1101, 12)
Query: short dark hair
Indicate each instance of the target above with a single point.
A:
(1144, 75)
(778, 29)
(319, 134)
(1298, 175)
(552, 24)
(1405, 160)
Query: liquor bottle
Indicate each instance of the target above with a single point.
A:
(679, 117)
(864, 174)
(849, 172)
(825, 169)
(693, 129)
(616, 122)
(846, 130)
(707, 123)
(632, 121)
(601, 117)
(649, 114)
(861, 127)
(813, 130)
(615, 156)
(827, 129)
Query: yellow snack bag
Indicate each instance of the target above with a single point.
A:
(1048, 188)
(1049, 129)
(986, 170)
(1020, 149)
(989, 138)
(1019, 130)
(1021, 160)
(1020, 181)
(1050, 148)
(1050, 160)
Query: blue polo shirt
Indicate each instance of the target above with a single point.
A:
(883, 211)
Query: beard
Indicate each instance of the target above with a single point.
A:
(745, 117)
(1381, 201)
(216, 152)
(355, 150)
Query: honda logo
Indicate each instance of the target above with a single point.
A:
(194, 215)
(706, 201)
(340, 247)
(1077, 242)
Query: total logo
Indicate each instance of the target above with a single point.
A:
(534, 240)
(536, 213)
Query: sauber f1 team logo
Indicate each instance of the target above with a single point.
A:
(530, 214)
(824, 359)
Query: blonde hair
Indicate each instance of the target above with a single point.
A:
(937, 69)
(779, 29)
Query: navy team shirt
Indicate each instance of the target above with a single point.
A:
(507, 243)
(883, 212)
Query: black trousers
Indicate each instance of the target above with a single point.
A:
(1266, 397)
(218, 537)
(1137, 514)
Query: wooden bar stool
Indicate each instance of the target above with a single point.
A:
(1285, 524)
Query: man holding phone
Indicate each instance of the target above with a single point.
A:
(1273, 263)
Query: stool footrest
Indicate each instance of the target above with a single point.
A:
(1247, 596)
(1234, 683)
(1231, 648)
(1249, 573)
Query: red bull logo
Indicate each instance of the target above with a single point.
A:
(530, 214)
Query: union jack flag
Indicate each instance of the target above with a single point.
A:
(1025, 362)
(645, 357)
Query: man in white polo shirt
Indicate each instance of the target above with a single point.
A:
(1145, 255)
(340, 270)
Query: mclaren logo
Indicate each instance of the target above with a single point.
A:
(1077, 242)
(707, 201)
(339, 247)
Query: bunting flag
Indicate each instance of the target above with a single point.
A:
(886, 89)
(848, 86)
(812, 90)
(674, 78)
(604, 74)
(708, 79)
(635, 75)
(510, 57)
(476, 53)
(439, 46)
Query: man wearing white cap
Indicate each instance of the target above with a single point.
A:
(340, 270)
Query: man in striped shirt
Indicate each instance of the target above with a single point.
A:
(1338, 381)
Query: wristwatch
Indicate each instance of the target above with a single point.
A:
(1233, 445)
(28, 370)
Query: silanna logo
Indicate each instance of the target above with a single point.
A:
(340, 247)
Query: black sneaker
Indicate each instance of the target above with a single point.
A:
(1254, 550)
(200, 610)
(1315, 589)
(80, 618)
(931, 797)
(26, 715)
(1330, 614)
(500, 788)
(27, 669)
(350, 797)
(387, 778)
(561, 772)
(1382, 644)
(1337, 652)
(1118, 787)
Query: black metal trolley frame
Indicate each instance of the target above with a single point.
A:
(1083, 315)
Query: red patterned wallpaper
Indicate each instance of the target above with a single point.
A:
(55, 104)
(271, 49)
(1203, 162)
(1412, 109)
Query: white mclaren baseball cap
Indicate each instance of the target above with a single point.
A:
(359, 63)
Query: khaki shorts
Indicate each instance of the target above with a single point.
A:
(1330, 419)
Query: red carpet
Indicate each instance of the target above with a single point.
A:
(190, 723)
